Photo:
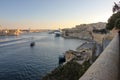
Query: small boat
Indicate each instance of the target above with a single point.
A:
(32, 44)
(61, 59)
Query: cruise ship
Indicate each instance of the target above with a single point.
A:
(57, 33)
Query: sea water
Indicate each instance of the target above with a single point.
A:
(19, 61)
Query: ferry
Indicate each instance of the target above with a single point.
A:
(57, 33)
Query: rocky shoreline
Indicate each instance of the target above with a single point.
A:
(84, 54)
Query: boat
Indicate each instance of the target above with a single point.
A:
(32, 44)
(57, 33)
(61, 59)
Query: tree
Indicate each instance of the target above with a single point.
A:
(117, 23)
(112, 20)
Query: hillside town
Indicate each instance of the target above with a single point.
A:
(17, 32)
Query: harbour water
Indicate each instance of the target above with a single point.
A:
(19, 61)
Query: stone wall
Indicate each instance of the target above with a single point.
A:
(83, 31)
(106, 67)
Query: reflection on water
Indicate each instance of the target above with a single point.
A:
(18, 61)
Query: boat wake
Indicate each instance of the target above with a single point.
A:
(14, 41)
(19, 40)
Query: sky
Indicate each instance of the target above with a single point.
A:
(53, 14)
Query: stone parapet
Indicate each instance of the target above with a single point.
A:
(106, 66)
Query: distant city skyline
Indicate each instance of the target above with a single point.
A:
(53, 14)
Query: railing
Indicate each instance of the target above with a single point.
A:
(106, 67)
